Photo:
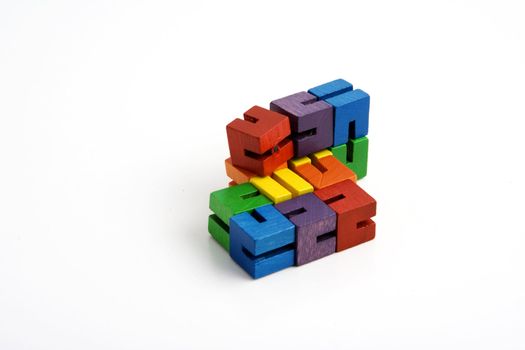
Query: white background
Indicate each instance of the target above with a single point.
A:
(112, 135)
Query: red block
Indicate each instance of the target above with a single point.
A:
(261, 142)
(354, 208)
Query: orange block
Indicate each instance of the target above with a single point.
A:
(325, 171)
(240, 175)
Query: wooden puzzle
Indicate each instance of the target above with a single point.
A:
(293, 197)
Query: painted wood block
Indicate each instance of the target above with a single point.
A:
(234, 200)
(271, 188)
(219, 231)
(351, 109)
(321, 154)
(354, 208)
(240, 175)
(331, 89)
(261, 141)
(294, 163)
(324, 172)
(292, 182)
(311, 121)
(262, 242)
(354, 155)
(237, 174)
(340, 152)
(315, 225)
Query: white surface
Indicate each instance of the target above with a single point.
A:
(112, 135)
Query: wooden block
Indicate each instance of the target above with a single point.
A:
(311, 121)
(351, 109)
(294, 163)
(271, 189)
(340, 152)
(232, 183)
(282, 166)
(315, 225)
(354, 208)
(354, 155)
(261, 142)
(321, 154)
(324, 172)
(262, 242)
(240, 175)
(292, 182)
(219, 231)
(234, 200)
(331, 89)
(237, 174)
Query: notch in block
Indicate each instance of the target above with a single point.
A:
(271, 188)
(292, 182)
(322, 171)
(354, 155)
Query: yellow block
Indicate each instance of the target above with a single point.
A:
(292, 182)
(294, 163)
(271, 189)
(321, 154)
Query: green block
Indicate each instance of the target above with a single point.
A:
(237, 199)
(354, 155)
(339, 153)
(219, 231)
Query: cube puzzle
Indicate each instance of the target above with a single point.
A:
(293, 197)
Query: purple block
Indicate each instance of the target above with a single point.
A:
(311, 121)
(315, 227)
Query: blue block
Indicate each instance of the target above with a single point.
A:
(350, 115)
(262, 242)
(351, 109)
(331, 89)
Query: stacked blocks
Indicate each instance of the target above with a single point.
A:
(293, 197)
